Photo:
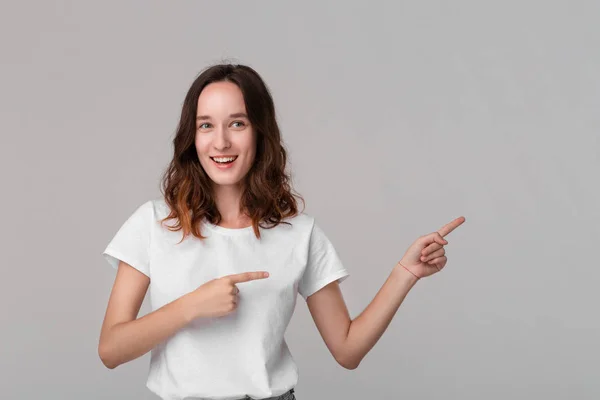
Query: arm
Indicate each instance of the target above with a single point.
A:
(350, 340)
(123, 337)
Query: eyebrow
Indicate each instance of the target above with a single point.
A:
(236, 115)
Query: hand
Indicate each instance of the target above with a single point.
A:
(426, 255)
(219, 296)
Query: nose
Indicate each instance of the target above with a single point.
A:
(221, 139)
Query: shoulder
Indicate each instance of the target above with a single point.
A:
(159, 207)
(294, 230)
(302, 218)
(147, 211)
(301, 222)
(150, 212)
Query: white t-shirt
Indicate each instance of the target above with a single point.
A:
(244, 352)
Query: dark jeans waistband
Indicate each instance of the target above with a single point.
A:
(285, 396)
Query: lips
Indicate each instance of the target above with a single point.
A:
(213, 158)
(223, 165)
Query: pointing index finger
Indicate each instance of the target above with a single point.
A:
(450, 226)
(248, 276)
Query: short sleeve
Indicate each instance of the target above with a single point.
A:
(323, 264)
(131, 243)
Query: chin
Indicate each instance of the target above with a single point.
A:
(226, 182)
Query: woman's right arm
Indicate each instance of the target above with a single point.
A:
(125, 337)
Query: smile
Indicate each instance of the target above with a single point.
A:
(224, 162)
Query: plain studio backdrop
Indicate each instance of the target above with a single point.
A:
(398, 118)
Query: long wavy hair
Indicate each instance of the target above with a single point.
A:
(267, 195)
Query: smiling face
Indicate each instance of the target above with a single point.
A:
(224, 133)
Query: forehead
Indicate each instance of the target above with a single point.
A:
(219, 98)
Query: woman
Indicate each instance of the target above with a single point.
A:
(226, 251)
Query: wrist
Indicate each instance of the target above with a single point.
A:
(183, 305)
(405, 275)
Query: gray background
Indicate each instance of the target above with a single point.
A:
(398, 118)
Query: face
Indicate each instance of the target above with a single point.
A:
(223, 132)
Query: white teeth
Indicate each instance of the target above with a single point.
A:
(224, 159)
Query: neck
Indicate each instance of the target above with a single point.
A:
(228, 199)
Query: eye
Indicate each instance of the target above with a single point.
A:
(202, 125)
(239, 122)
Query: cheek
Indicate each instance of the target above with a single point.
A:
(251, 154)
(251, 146)
(201, 145)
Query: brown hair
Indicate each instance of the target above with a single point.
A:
(266, 192)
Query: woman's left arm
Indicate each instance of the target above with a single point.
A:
(350, 340)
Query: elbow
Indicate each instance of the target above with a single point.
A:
(106, 358)
(346, 357)
(348, 362)
(350, 366)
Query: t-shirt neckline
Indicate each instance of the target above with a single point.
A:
(228, 231)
